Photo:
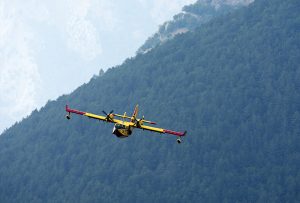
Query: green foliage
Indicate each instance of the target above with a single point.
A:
(234, 85)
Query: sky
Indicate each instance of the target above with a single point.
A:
(49, 48)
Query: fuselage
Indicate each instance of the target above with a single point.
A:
(122, 131)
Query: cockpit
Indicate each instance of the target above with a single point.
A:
(120, 126)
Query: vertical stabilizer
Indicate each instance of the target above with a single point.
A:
(135, 113)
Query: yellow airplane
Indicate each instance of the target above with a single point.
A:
(123, 128)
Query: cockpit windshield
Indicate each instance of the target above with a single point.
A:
(120, 126)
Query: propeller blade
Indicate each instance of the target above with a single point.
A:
(108, 116)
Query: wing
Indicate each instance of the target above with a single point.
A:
(90, 115)
(161, 130)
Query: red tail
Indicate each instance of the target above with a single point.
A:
(136, 110)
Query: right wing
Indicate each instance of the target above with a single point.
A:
(94, 116)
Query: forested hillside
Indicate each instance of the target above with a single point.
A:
(234, 85)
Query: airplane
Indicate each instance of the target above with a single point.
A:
(123, 128)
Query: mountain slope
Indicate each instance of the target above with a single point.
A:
(191, 17)
(234, 85)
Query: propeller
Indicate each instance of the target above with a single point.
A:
(107, 113)
(140, 122)
(109, 116)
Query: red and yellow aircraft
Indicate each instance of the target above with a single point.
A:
(123, 128)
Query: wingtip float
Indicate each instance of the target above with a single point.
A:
(123, 128)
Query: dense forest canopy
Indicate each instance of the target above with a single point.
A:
(233, 84)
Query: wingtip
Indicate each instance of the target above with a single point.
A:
(179, 134)
(67, 108)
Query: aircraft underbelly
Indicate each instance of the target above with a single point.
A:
(122, 132)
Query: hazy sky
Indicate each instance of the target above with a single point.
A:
(50, 47)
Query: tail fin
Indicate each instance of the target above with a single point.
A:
(135, 113)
